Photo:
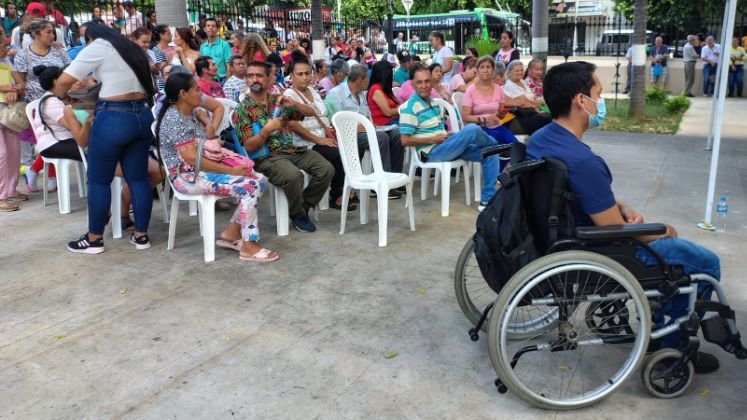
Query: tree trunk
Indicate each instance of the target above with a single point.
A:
(638, 86)
(317, 29)
(172, 12)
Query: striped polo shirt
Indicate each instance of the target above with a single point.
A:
(421, 119)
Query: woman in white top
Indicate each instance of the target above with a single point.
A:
(310, 131)
(42, 51)
(187, 50)
(527, 105)
(121, 130)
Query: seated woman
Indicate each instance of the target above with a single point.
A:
(442, 91)
(177, 124)
(313, 131)
(482, 103)
(381, 101)
(527, 107)
(533, 78)
(460, 81)
(57, 140)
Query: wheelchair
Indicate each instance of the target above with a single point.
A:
(569, 328)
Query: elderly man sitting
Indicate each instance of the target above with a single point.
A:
(422, 126)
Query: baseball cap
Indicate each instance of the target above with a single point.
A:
(36, 9)
(403, 56)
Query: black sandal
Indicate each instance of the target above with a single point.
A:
(333, 205)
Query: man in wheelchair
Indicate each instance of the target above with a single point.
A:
(573, 93)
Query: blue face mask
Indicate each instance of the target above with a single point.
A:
(597, 120)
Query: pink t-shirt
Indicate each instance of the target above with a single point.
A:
(53, 110)
(483, 105)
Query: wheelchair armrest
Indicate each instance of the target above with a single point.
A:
(503, 150)
(620, 231)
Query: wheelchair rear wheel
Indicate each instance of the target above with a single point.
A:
(474, 294)
(577, 363)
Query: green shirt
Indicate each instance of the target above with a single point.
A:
(401, 75)
(220, 52)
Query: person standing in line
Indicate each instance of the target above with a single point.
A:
(710, 54)
(659, 69)
(216, 48)
(444, 56)
(736, 68)
(690, 57)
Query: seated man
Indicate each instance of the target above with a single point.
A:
(206, 71)
(349, 96)
(270, 143)
(422, 126)
(573, 93)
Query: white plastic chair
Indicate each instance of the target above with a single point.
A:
(346, 123)
(62, 166)
(444, 169)
(457, 98)
(228, 107)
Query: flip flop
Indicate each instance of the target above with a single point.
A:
(260, 256)
(235, 245)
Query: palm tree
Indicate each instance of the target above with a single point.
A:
(172, 12)
(637, 88)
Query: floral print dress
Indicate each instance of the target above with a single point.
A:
(177, 129)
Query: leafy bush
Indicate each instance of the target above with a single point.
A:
(483, 46)
(656, 95)
(677, 104)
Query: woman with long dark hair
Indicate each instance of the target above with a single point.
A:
(187, 49)
(178, 124)
(381, 100)
(120, 132)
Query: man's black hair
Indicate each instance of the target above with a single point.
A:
(260, 64)
(563, 82)
(201, 64)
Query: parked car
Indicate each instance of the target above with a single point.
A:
(616, 42)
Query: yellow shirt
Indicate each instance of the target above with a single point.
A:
(737, 52)
(744, 42)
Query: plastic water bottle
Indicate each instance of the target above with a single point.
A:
(721, 210)
(276, 112)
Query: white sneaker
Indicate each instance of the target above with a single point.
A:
(30, 177)
(482, 206)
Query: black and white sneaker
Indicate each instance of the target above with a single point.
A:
(86, 246)
(140, 243)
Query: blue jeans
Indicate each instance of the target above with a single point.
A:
(708, 71)
(120, 133)
(503, 136)
(467, 144)
(694, 259)
(736, 80)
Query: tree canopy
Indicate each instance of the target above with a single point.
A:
(682, 15)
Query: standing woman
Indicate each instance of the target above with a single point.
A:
(235, 39)
(41, 51)
(10, 148)
(187, 49)
(162, 38)
(381, 100)
(125, 99)
(254, 48)
(507, 53)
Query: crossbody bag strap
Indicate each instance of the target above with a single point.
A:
(316, 115)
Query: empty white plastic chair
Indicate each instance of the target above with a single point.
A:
(346, 123)
(443, 168)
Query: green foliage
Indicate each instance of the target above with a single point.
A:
(483, 46)
(683, 15)
(677, 104)
(656, 95)
(656, 119)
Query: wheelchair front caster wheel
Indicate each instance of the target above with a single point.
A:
(502, 389)
(665, 376)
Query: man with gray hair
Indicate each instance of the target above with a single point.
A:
(710, 54)
(690, 57)
(349, 96)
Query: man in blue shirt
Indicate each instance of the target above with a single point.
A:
(217, 49)
(573, 93)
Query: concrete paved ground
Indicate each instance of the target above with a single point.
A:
(156, 334)
(695, 120)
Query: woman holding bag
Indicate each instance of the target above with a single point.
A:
(178, 135)
(315, 130)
